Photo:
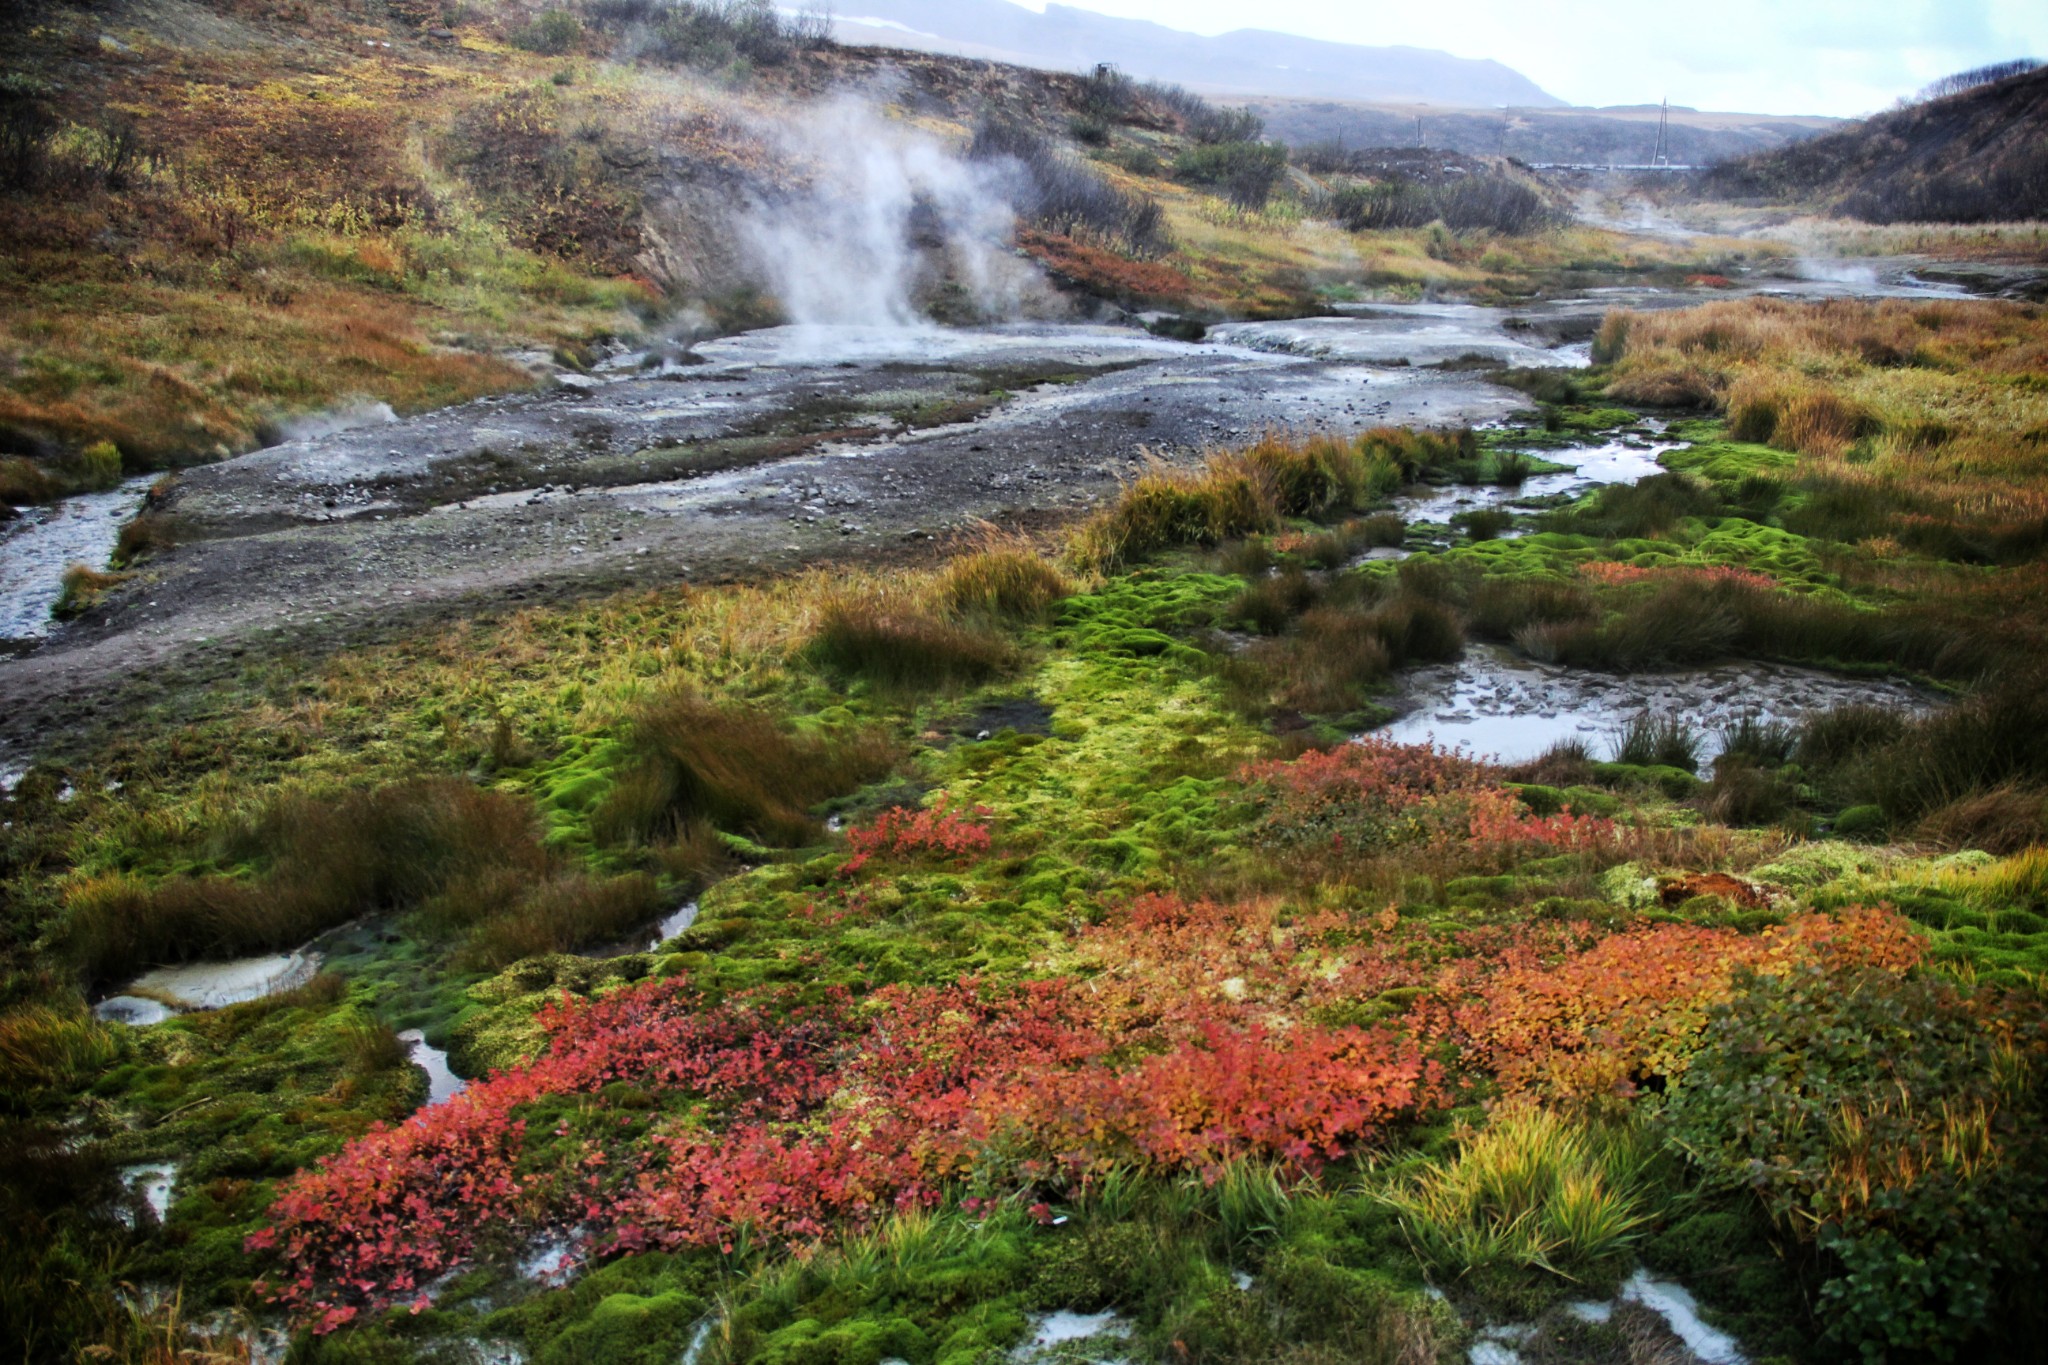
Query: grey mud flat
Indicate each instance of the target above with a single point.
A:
(784, 450)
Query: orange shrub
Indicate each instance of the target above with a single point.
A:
(1631, 1009)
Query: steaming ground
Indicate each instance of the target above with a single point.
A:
(789, 447)
(754, 463)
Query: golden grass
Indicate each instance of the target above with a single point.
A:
(1235, 493)
(41, 1045)
(2025, 243)
(1947, 400)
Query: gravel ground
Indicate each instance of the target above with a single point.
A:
(780, 450)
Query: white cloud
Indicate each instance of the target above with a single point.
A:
(1762, 56)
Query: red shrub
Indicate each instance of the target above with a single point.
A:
(938, 831)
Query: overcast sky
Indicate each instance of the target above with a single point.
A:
(1761, 56)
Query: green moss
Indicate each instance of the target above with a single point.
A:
(1675, 783)
(1727, 462)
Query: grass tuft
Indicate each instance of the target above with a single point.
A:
(1529, 1190)
(906, 649)
(701, 766)
(1651, 741)
(1003, 584)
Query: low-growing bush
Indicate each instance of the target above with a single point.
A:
(1203, 121)
(1894, 1123)
(1058, 193)
(551, 33)
(710, 35)
(1246, 172)
(1490, 202)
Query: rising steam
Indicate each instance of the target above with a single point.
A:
(881, 220)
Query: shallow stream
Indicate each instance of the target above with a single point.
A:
(42, 542)
(158, 995)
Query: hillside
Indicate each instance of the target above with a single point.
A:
(1245, 62)
(221, 216)
(1975, 157)
(1621, 135)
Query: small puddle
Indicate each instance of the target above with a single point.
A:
(1496, 704)
(1514, 1343)
(40, 544)
(554, 1259)
(477, 1352)
(1071, 1338)
(1500, 1345)
(1681, 1312)
(700, 1337)
(682, 919)
(132, 1010)
(154, 1181)
(155, 996)
(1615, 462)
(442, 1082)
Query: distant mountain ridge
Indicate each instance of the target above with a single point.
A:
(1977, 156)
(1246, 62)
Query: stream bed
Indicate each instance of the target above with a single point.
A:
(39, 545)
(158, 995)
(442, 1082)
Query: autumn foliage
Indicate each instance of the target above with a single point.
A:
(1177, 1035)
(940, 831)
(1633, 1007)
(829, 1118)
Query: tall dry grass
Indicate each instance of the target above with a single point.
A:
(700, 764)
(1940, 403)
(469, 863)
(1237, 493)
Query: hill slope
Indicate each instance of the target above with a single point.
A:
(1620, 135)
(1249, 61)
(1979, 156)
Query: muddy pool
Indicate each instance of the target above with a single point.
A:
(1497, 704)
